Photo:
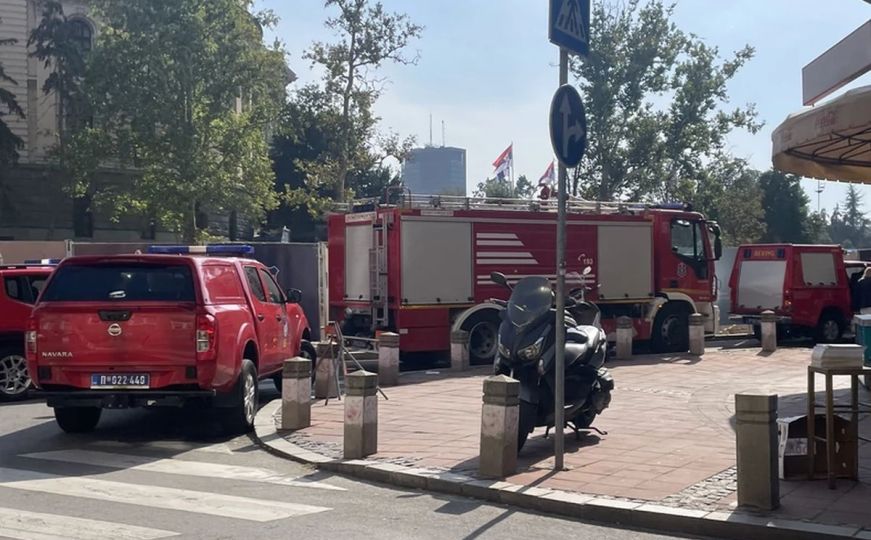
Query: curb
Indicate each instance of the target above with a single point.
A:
(650, 516)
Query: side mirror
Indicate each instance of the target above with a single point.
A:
(294, 296)
(499, 279)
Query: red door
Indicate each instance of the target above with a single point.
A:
(268, 316)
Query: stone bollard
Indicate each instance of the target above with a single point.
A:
(388, 359)
(625, 331)
(325, 372)
(361, 415)
(756, 441)
(296, 394)
(697, 334)
(459, 350)
(768, 327)
(499, 424)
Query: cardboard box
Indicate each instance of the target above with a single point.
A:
(793, 447)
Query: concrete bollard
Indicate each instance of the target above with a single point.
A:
(697, 334)
(388, 359)
(756, 441)
(499, 425)
(296, 394)
(325, 372)
(625, 331)
(459, 350)
(361, 415)
(768, 327)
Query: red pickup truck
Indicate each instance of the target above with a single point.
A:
(162, 329)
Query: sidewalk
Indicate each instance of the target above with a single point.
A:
(669, 443)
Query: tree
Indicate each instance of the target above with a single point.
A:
(524, 189)
(10, 143)
(849, 226)
(729, 193)
(368, 37)
(493, 188)
(654, 98)
(186, 91)
(787, 216)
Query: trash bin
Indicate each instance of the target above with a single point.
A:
(862, 325)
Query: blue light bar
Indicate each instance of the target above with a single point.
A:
(238, 250)
(43, 262)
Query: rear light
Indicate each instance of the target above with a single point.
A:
(787, 301)
(206, 329)
(30, 338)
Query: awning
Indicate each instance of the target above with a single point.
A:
(830, 141)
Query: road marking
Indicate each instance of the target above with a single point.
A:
(181, 446)
(184, 500)
(177, 466)
(24, 525)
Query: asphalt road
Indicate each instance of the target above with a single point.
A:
(155, 474)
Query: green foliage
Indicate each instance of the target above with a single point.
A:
(729, 193)
(167, 79)
(10, 143)
(367, 38)
(787, 215)
(494, 188)
(849, 226)
(524, 189)
(654, 97)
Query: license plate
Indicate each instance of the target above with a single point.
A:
(120, 380)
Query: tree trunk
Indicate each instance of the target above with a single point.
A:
(344, 159)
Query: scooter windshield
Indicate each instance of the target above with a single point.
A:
(531, 299)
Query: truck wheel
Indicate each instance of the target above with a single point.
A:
(483, 332)
(77, 419)
(830, 328)
(671, 329)
(526, 422)
(307, 351)
(239, 417)
(14, 380)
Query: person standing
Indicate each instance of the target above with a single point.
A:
(865, 293)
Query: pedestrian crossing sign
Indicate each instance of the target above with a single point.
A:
(570, 25)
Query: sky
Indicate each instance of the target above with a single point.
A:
(487, 70)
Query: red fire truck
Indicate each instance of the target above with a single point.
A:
(421, 267)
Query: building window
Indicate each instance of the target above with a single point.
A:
(82, 35)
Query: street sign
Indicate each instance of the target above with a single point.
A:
(568, 126)
(569, 26)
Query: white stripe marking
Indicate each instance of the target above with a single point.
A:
(519, 262)
(183, 446)
(496, 236)
(24, 525)
(177, 466)
(502, 243)
(183, 500)
(500, 254)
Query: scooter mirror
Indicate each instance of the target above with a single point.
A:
(499, 279)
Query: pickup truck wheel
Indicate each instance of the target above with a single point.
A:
(830, 328)
(77, 419)
(239, 417)
(14, 380)
(307, 351)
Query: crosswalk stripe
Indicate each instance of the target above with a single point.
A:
(177, 466)
(24, 525)
(155, 497)
(181, 446)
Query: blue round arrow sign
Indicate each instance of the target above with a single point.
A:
(568, 126)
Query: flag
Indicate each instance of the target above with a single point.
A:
(504, 162)
(548, 178)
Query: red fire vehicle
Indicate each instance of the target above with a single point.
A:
(421, 268)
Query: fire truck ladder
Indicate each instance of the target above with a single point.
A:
(378, 272)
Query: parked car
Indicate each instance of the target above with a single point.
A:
(168, 328)
(810, 288)
(21, 285)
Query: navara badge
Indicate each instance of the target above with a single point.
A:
(115, 330)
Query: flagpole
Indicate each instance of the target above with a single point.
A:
(513, 186)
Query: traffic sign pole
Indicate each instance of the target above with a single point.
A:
(560, 360)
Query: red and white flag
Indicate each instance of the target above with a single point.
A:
(504, 162)
(549, 177)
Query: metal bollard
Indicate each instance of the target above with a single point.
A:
(388, 359)
(756, 442)
(325, 372)
(499, 425)
(697, 334)
(296, 389)
(361, 415)
(768, 327)
(459, 350)
(625, 331)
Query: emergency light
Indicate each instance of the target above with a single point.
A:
(43, 262)
(239, 250)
